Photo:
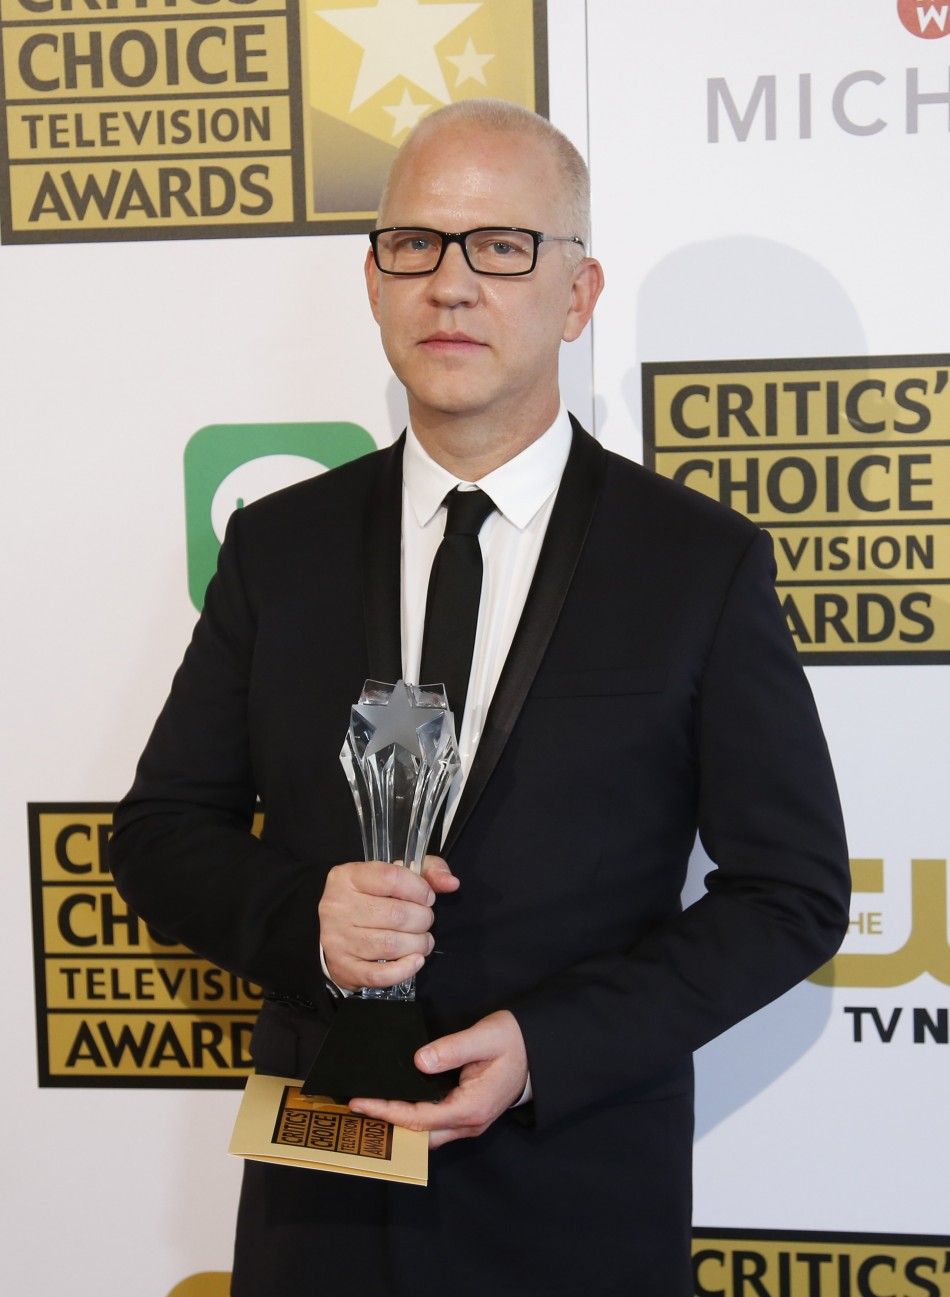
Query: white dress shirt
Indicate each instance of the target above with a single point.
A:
(523, 492)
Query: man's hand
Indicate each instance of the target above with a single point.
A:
(372, 911)
(494, 1067)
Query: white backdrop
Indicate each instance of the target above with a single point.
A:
(784, 248)
(114, 354)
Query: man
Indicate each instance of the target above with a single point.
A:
(632, 680)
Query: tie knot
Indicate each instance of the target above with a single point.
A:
(467, 510)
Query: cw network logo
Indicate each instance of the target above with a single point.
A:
(927, 946)
(925, 953)
(928, 21)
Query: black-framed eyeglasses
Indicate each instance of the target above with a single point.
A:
(489, 250)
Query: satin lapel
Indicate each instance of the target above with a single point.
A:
(567, 530)
(382, 534)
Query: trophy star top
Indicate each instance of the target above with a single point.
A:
(395, 722)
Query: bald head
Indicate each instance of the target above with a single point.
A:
(484, 116)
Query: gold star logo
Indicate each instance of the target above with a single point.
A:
(398, 38)
(406, 113)
(470, 65)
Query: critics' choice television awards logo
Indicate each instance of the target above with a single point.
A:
(793, 1263)
(160, 118)
(928, 21)
(230, 465)
(846, 461)
(117, 1003)
(778, 1263)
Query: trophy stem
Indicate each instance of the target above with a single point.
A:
(401, 991)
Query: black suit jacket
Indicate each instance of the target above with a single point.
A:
(652, 689)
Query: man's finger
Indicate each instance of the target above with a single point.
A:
(379, 878)
(438, 875)
(449, 1052)
(389, 912)
(387, 943)
(439, 1137)
(460, 1115)
(414, 1116)
(388, 972)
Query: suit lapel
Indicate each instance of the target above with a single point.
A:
(382, 540)
(567, 530)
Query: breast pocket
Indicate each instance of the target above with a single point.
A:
(599, 683)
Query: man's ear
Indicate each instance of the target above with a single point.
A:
(372, 284)
(586, 286)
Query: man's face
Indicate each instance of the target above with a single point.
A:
(468, 345)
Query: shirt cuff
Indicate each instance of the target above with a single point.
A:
(332, 986)
(527, 1094)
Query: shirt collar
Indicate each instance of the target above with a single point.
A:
(518, 488)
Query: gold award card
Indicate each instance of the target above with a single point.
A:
(276, 1123)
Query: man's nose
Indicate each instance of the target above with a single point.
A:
(455, 283)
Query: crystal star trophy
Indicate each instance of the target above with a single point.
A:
(400, 755)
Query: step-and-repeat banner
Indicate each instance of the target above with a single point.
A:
(769, 195)
(774, 335)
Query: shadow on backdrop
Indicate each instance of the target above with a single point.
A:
(397, 409)
(744, 1061)
(739, 298)
(743, 298)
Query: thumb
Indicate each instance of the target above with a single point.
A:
(438, 875)
(447, 1052)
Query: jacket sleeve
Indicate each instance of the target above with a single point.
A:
(182, 852)
(776, 905)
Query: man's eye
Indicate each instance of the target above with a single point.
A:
(500, 248)
(413, 243)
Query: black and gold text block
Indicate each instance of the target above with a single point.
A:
(118, 1003)
(846, 461)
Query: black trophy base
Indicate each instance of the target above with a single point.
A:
(368, 1053)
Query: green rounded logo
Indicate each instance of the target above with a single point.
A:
(229, 465)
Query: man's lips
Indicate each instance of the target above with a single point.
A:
(451, 342)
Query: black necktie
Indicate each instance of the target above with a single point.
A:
(455, 587)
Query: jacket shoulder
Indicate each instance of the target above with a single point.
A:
(674, 509)
(325, 496)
